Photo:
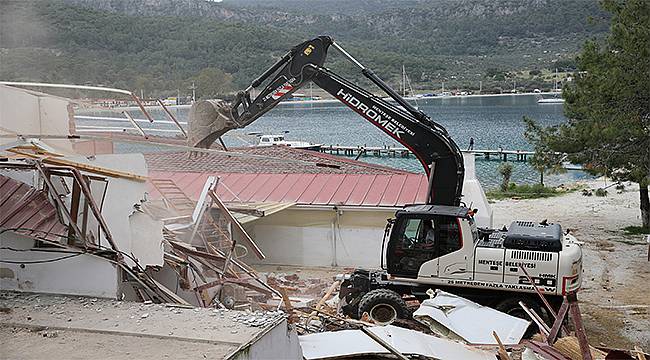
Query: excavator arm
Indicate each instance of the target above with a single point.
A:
(429, 141)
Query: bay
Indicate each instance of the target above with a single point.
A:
(493, 121)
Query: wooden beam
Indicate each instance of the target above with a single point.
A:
(580, 329)
(384, 344)
(503, 354)
(555, 330)
(172, 295)
(82, 166)
(258, 252)
(322, 301)
(74, 210)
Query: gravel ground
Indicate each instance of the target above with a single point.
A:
(614, 299)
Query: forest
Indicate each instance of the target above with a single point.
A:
(162, 46)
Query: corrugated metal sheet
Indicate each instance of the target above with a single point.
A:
(266, 208)
(306, 189)
(27, 209)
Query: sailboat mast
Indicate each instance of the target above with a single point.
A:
(403, 81)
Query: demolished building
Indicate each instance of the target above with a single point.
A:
(179, 231)
(318, 209)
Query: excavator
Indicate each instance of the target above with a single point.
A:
(435, 245)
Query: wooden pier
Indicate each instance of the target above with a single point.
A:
(389, 151)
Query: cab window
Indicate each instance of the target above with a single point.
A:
(418, 234)
(448, 235)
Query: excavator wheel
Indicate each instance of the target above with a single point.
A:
(383, 306)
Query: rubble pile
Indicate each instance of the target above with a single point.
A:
(459, 328)
(255, 319)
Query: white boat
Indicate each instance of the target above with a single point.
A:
(551, 101)
(554, 100)
(279, 140)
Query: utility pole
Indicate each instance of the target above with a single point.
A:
(141, 93)
(193, 88)
(480, 86)
(443, 86)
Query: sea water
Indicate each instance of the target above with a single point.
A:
(493, 121)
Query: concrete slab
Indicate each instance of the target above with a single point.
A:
(222, 332)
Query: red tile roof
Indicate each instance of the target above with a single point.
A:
(390, 190)
(25, 208)
(270, 160)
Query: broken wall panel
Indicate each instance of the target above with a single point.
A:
(349, 343)
(30, 112)
(452, 316)
(122, 198)
(41, 271)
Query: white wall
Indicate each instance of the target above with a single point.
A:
(280, 342)
(133, 231)
(305, 237)
(29, 112)
(80, 275)
(473, 194)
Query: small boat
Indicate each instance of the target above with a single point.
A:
(279, 140)
(554, 100)
(551, 101)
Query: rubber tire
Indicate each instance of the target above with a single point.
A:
(511, 307)
(384, 297)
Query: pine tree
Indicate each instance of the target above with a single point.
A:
(608, 105)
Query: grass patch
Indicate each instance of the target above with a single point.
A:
(525, 191)
(636, 230)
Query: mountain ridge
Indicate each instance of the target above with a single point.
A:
(166, 43)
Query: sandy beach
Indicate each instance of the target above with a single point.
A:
(614, 298)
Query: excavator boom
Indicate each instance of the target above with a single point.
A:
(427, 140)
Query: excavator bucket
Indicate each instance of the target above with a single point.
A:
(209, 119)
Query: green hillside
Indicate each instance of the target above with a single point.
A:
(164, 45)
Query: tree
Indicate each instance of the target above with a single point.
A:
(545, 159)
(505, 169)
(212, 82)
(608, 105)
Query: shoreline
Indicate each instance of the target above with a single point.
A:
(332, 101)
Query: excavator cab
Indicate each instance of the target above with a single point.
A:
(423, 233)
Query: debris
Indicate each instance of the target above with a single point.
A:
(503, 354)
(569, 347)
(50, 334)
(355, 342)
(144, 316)
(321, 302)
(383, 343)
(454, 317)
